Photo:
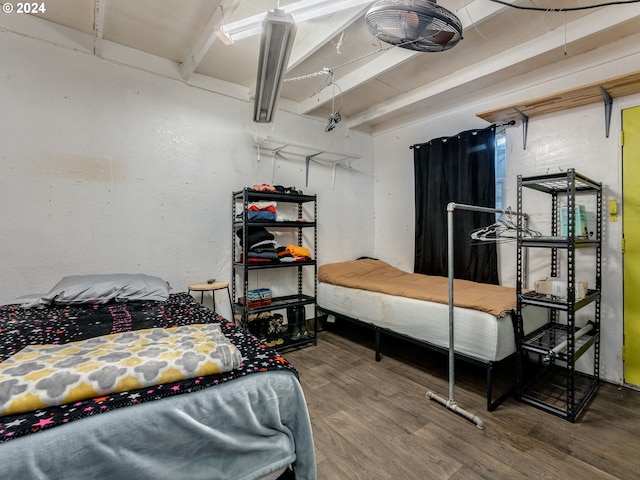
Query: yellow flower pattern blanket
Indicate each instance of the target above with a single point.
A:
(47, 375)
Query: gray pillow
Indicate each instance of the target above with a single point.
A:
(119, 287)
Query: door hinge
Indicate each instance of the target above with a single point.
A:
(622, 138)
(622, 244)
(624, 353)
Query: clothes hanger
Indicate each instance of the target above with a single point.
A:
(502, 230)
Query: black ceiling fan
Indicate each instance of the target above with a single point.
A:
(420, 25)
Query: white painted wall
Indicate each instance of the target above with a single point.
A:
(573, 138)
(105, 168)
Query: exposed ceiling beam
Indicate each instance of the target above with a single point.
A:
(98, 26)
(322, 33)
(318, 37)
(473, 14)
(581, 28)
(203, 43)
(301, 11)
(232, 90)
(480, 10)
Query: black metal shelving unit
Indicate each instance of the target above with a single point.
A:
(552, 382)
(242, 268)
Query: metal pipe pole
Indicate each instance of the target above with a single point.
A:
(451, 269)
(450, 403)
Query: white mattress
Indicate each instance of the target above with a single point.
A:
(477, 334)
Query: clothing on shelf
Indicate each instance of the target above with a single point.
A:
(265, 187)
(255, 235)
(298, 251)
(263, 248)
(262, 211)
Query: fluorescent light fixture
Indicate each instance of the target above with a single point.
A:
(278, 34)
(301, 11)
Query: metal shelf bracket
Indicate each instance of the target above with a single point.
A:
(308, 159)
(525, 127)
(608, 104)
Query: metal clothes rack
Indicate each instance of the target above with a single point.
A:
(450, 402)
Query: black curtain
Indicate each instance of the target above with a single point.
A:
(458, 169)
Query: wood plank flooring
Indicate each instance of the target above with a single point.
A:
(372, 420)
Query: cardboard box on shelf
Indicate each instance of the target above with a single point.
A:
(558, 288)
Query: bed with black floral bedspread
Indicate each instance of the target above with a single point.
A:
(268, 430)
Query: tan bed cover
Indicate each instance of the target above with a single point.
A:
(378, 276)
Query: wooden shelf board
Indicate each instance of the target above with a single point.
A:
(620, 86)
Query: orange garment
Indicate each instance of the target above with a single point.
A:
(254, 208)
(298, 251)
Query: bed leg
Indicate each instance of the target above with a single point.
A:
(493, 404)
(377, 333)
(490, 407)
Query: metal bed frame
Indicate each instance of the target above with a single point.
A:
(489, 366)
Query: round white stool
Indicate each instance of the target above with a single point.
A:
(210, 287)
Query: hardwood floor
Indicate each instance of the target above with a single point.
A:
(372, 420)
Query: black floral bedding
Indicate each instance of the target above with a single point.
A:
(20, 327)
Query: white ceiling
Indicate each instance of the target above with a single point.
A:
(379, 86)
